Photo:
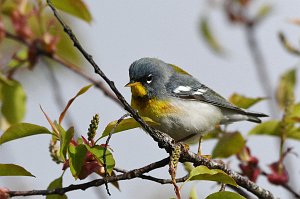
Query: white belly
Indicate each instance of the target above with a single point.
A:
(193, 117)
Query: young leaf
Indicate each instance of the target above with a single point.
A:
(19, 59)
(208, 36)
(57, 183)
(295, 113)
(126, 124)
(65, 139)
(13, 102)
(263, 11)
(287, 45)
(225, 194)
(244, 102)
(271, 127)
(294, 133)
(76, 8)
(203, 173)
(13, 170)
(53, 126)
(77, 156)
(82, 91)
(193, 193)
(21, 130)
(286, 87)
(229, 144)
(98, 152)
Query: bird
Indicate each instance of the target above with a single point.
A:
(184, 108)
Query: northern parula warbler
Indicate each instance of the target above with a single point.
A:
(179, 103)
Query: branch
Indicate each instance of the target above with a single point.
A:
(163, 140)
(154, 179)
(261, 69)
(95, 183)
(67, 64)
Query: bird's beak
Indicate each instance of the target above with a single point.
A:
(131, 83)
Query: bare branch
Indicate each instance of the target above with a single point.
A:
(68, 65)
(95, 183)
(154, 179)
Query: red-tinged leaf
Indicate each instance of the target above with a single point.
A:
(57, 183)
(229, 144)
(225, 195)
(76, 8)
(55, 130)
(13, 170)
(21, 130)
(278, 175)
(203, 173)
(82, 91)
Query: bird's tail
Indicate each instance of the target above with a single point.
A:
(241, 115)
(254, 116)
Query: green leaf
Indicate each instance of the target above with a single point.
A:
(263, 11)
(13, 102)
(126, 124)
(13, 170)
(77, 156)
(295, 113)
(286, 87)
(208, 36)
(98, 152)
(244, 102)
(288, 45)
(80, 92)
(294, 133)
(272, 128)
(76, 8)
(225, 194)
(229, 144)
(20, 58)
(193, 193)
(21, 130)
(57, 183)
(203, 173)
(65, 139)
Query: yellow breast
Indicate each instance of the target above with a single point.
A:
(152, 108)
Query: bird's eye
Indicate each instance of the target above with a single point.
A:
(149, 79)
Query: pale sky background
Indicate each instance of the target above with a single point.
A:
(124, 31)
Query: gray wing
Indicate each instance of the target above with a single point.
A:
(187, 87)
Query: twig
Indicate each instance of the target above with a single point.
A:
(163, 140)
(289, 188)
(154, 179)
(67, 64)
(95, 183)
(106, 145)
(261, 69)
